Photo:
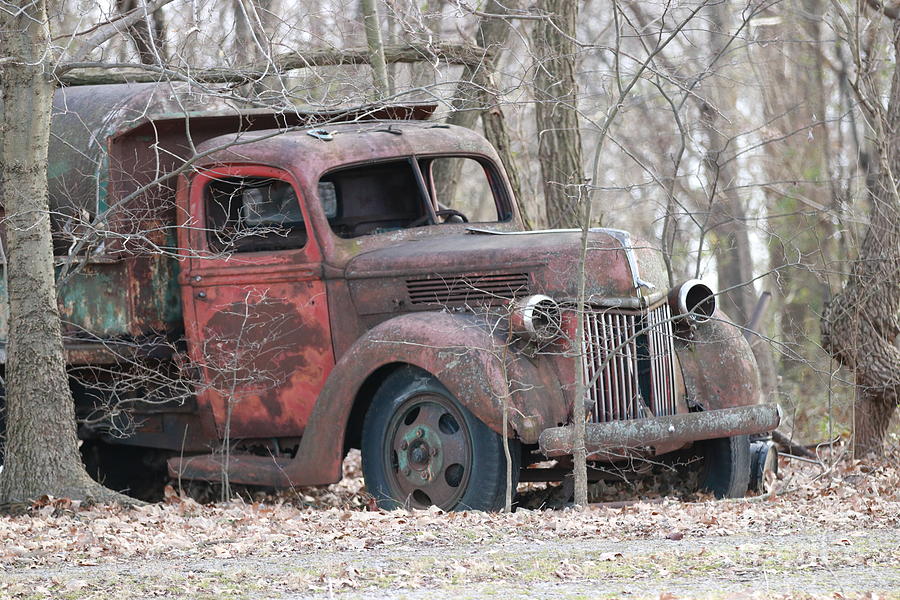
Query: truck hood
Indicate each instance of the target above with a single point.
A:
(620, 269)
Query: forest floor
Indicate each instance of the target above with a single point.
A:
(820, 533)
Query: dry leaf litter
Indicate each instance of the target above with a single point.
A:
(852, 496)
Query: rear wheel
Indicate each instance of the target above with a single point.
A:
(763, 464)
(421, 447)
(725, 469)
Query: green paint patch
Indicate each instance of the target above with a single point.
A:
(57, 168)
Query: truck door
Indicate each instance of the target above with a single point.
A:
(256, 316)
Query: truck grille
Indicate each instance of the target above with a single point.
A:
(467, 289)
(638, 379)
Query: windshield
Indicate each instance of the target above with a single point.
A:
(411, 192)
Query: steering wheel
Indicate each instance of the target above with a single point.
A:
(444, 212)
(451, 212)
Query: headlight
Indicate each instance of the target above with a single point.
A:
(537, 317)
(693, 299)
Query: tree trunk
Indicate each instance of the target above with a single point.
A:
(497, 134)
(556, 96)
(861, 325)
(146, 39)
(562, 174)
(376, 47)
(727, 221)
(476, 96)
(795, 99)
(423, 75)
(42, 454)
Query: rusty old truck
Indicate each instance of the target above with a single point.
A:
(253, 293)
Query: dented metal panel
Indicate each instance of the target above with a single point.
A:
(718, 365)
(460, 350)
(259, 326)
(86, 119)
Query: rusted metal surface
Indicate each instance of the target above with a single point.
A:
(550, 257)
(109, 352)
(369, 278)
(629, 364)
(459, 350)
(108, 141)
(291, 343)
(426, 437)
(718, 365)
(619, 437)
(259, 326)
(245, 469)
(181, 433)
(462, 352)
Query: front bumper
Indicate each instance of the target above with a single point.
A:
(675, 430)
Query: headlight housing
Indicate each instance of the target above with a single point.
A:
(537, 317)
(693, 299)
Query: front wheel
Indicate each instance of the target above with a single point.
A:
(421, 447)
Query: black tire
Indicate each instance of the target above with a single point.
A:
(763, 460)
(421, 447)
(726, 466)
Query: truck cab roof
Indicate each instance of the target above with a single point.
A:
(312, 151)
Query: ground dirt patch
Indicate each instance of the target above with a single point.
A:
(828, 534)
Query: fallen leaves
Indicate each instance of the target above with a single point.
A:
(846, 501)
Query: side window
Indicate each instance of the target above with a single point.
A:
(252, 214)
(462, 185)
(372, 199)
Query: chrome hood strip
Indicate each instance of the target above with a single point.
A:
(620, 235)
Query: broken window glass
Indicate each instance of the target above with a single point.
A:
(252, 214)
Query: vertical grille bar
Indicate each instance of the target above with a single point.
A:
(609, 399)
(661, 362)
(670, 363)
(623, 366)
(587, 361)
(599, 388)
(636, 389)
(610, 340)
(625, 353)
(654, 363)
(630, 375)
(617, 368)
(651, 352)
(615, 388)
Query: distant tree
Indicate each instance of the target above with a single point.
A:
(861, 325)
(556, 111)
(476, 96)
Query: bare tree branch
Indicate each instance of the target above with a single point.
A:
(86, 72)
(81, 48)
(890, 11)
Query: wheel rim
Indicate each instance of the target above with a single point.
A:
(428, 452)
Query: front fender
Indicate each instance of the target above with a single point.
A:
(463, 353)
(718, 366)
